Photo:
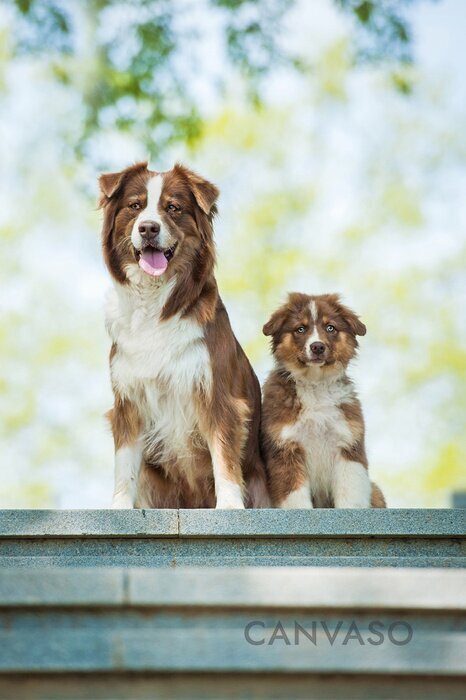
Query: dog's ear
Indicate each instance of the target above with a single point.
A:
(353, 321)
(110, 183)
(205, 192)
(355, 324)
(295, 302)
(275, 322)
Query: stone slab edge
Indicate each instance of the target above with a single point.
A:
(255, 587)
(234, 523)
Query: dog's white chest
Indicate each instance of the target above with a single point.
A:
(160, 365)
(151, 350)
(321, 430)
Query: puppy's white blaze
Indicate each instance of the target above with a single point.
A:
(352, 487)
(314, 337)
(301, 498)
(151, 213)
(127, 466)
(228, 493)
(315, 333)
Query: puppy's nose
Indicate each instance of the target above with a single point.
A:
(318, 348)
(149, 231)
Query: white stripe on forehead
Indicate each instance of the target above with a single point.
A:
(154, 190)
(315, 333)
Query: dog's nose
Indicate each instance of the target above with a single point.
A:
(149, 230)
(318, 348)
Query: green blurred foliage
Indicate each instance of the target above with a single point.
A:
(383, 31)
(128, 72)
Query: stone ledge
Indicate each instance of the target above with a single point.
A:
(88, 523)
(322, 523)
(301, 587)
(316, 588)
(230, 524)
(179, 538)
(48, 587)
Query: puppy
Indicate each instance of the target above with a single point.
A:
(312, 422)
(186, 412)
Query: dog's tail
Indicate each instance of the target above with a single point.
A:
(377, 497)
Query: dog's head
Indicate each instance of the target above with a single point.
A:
(160, 223)
(316, 332)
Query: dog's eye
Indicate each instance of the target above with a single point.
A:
(329, 328)
(300, 329)
(135, 206)
(172, 208)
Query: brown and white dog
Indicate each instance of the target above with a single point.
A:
(186, 414)
(312, 422)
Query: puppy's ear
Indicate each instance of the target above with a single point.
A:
(275, 322)
(110, 183)
(205, 192)
(353, 321)
(355, 324)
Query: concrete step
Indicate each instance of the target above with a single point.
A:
(170, 538)
(254, 632)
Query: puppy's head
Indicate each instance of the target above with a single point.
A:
(156, 222)
(316, 332)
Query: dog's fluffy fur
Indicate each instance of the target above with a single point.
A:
(186, 413)
(312, 421)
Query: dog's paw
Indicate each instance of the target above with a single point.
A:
(122, 504)
(229, 504)
(229, 495)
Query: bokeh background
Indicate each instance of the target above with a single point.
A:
(336, 130)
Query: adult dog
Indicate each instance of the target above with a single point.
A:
(186, 413)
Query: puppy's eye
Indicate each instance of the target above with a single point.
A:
(171, 208)
(300, 329)
(135, 206)
(329, 328)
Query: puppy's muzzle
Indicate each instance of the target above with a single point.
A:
(317, 352)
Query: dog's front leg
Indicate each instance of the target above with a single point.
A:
(352, 487)
(289, 479)
(227, 474)
(128, 460)
(126, 429)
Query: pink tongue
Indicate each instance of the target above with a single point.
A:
(153, 262)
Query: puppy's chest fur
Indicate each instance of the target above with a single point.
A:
(321, 429)
(161, 366)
